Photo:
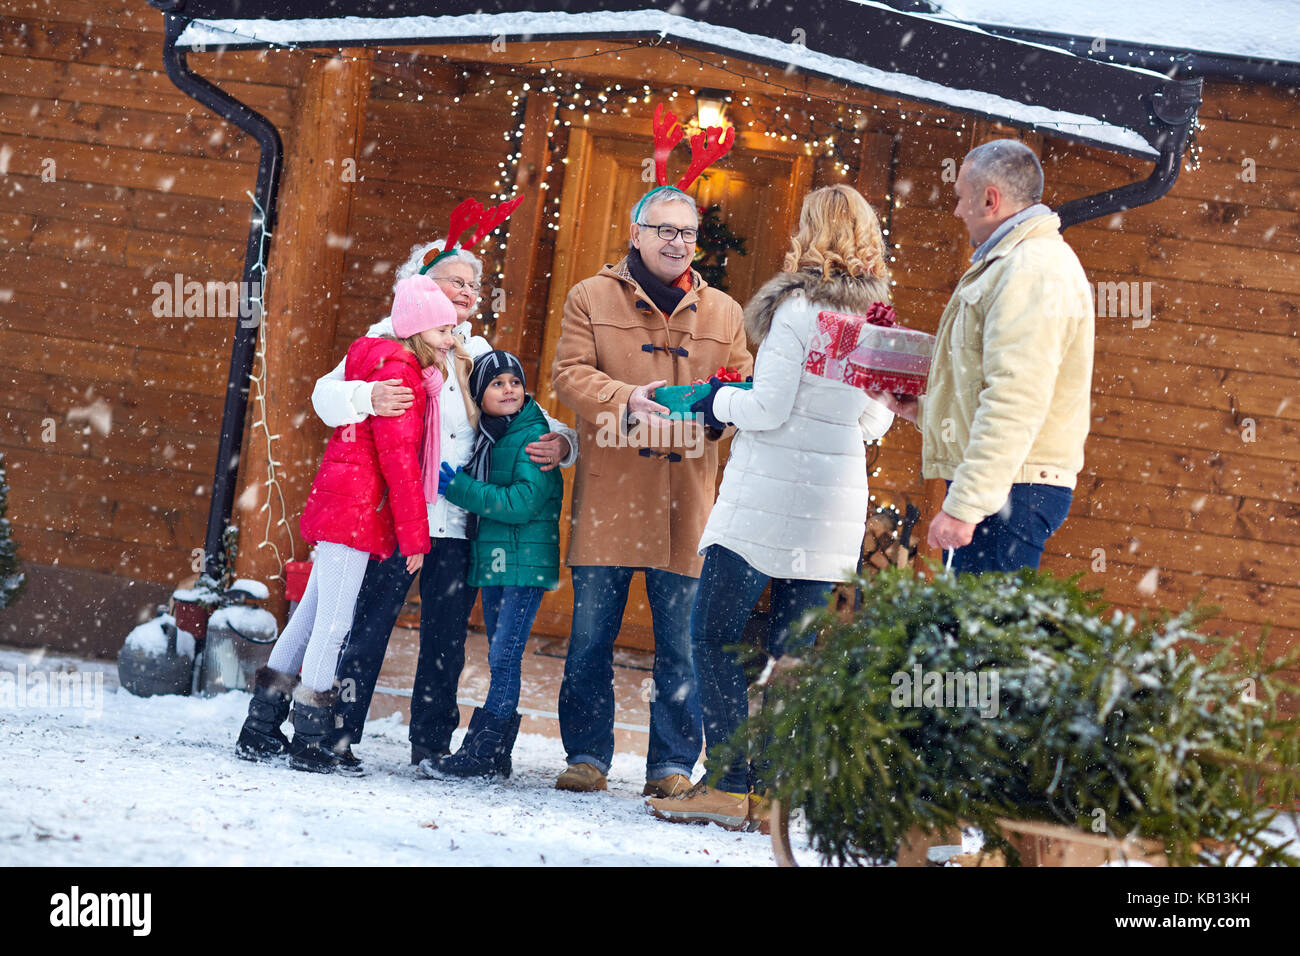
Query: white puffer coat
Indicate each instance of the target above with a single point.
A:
(339, 402)
(794, 500)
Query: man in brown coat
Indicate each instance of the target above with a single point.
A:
(643, 486)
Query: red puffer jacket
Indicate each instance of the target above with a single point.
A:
(367, 494)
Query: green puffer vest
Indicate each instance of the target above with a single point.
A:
(518, 543)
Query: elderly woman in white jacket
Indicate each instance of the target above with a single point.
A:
(793, 503)
(445, 597)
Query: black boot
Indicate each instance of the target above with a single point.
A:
(313, 721)
(508, 745)
(261, 737)
(420, 754)
(483, 753)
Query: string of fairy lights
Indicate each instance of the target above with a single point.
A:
(257, 388)
(575, 100)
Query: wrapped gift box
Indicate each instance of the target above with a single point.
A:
(679, 398)
(854, 350)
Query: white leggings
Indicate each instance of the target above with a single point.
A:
(312, 638)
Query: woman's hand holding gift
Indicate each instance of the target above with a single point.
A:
(704, 406)
(904, 406)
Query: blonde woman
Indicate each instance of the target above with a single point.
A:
(793, 502)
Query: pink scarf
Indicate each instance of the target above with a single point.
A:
(431, 447)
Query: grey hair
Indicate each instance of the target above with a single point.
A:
(659, 195)
(416, 260)
(1009, 165)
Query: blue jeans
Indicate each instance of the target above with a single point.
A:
(587, 693)
(445, 603)
(508, 614)
(729, 589)
(1013, 538)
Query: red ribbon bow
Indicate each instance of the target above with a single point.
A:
(725, 373)
(880, 314)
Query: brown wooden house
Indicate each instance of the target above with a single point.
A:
(122, 392)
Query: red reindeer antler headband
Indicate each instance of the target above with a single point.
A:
(469, 213)
(707, 147)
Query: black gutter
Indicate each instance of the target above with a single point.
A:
(1177, 113)
(247, 324)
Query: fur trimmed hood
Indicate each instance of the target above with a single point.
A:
(840, 291)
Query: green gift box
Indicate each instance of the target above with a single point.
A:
(679, 398)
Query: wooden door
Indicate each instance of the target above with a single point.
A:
(760, 191)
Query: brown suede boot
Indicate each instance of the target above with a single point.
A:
(581, 778)
(669, 786)
(704, 804)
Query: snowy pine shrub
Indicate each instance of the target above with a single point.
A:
(1097, 721)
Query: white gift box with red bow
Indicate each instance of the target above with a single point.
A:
(870, 352)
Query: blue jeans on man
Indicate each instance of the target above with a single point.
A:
(445, 604)
(729, 589)
(586, 705)
(1014, 537)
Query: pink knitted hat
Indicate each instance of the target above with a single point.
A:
(419, 304)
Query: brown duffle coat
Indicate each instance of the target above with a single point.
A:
(640, 502)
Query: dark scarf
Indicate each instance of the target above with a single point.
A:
(490, 427)
(666, 297)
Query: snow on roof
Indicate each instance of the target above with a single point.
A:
(540, 25)
(1261, 29)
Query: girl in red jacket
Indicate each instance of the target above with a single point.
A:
(368, 497)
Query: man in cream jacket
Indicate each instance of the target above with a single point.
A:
(1007, 403)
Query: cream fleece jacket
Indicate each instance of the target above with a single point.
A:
(1008, 398)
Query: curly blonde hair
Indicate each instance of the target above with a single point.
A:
(462, 362)
(838, 232)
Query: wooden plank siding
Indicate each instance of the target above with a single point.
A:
(149, 184)
(146, 184)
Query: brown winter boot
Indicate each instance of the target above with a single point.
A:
(704, 804)
(669, 786)
(581, 778)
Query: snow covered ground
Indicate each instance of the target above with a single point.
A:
(123, 781)
(110, 779)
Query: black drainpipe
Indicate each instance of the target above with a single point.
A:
(245, 344)
(1176, 114)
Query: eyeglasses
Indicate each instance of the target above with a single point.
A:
(458, 283)
(669, 233)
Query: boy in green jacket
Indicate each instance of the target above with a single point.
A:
(514, 524)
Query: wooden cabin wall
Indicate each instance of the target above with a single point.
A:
(1192, 481)
(424, 153)
(112, 180)
(1180, 497)
(148, 184)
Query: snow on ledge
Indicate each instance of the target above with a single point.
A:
(203, 33)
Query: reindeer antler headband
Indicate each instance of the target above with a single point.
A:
(707, 147)
(469, 213)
